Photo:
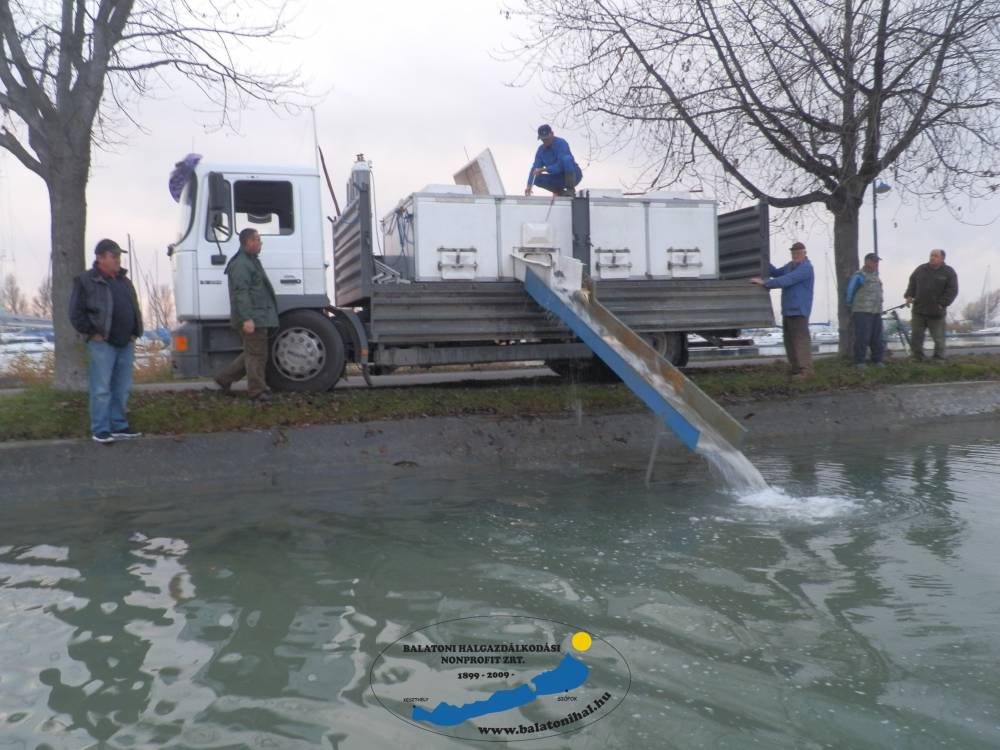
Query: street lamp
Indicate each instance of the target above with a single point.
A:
(878, 187)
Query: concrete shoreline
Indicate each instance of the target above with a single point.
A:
(284, 458)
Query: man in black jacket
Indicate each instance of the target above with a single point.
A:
(933, 286)
(105, 309)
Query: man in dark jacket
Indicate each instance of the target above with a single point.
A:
(253, 309)
(933, 286)
(105, 309)
(795, 279)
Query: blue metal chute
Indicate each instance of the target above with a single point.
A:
(683, 407)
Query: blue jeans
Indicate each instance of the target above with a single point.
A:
(867, 335)
(110, 379)
(556, 183)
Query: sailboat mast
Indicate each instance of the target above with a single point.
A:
(987, 299)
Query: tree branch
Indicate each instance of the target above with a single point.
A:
(10, 142)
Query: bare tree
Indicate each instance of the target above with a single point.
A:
(794, 102)
(159, 304)
(984, 310)
(12, 299)
(42, 304)
(69, 71)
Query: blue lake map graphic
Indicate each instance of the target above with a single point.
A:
(568, 675)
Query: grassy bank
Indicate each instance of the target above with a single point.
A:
(42, 413)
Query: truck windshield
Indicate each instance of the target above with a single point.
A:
(187, 208)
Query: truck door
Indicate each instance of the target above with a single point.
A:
(237, 202)
(744, 243)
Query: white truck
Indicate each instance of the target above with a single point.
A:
(434, 283)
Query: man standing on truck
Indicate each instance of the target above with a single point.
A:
(795, 279)
(864, 297)
(253, 309)
(105, 309)
(554, 168)
(933, 286)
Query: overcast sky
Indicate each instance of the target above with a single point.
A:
(415, 87)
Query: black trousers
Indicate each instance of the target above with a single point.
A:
(867, 335)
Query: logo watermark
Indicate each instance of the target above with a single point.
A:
(500, 678)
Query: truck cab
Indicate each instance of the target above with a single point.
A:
(283, 205)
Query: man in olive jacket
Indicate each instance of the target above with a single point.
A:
(253, 309)
(933, 286)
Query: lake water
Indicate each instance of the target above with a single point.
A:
(857, 604)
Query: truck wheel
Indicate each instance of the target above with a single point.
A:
(307, 354)
(672, 346)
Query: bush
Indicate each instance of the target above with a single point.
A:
(25, 369)
(152, 365)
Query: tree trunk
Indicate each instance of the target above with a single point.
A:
(68, 225)
(845, 261)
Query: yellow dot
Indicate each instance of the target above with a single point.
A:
(581, 641)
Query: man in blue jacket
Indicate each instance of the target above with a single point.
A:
(554, 169)
(795, 279)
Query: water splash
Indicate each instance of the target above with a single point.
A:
(810, 508)
(728, 465)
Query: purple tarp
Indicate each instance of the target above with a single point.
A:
(181, 174)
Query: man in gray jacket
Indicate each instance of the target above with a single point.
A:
(933, 286)
(864, 297)
(253, 309)
(104, 308)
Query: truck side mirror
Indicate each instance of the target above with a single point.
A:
(220, 207)
(219, 198)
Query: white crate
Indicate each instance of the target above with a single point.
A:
(462, 236)
(446, 237)
(516, 213)
(683, 239)
(617, 238)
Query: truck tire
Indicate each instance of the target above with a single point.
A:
(672, 346)
(307, 353)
